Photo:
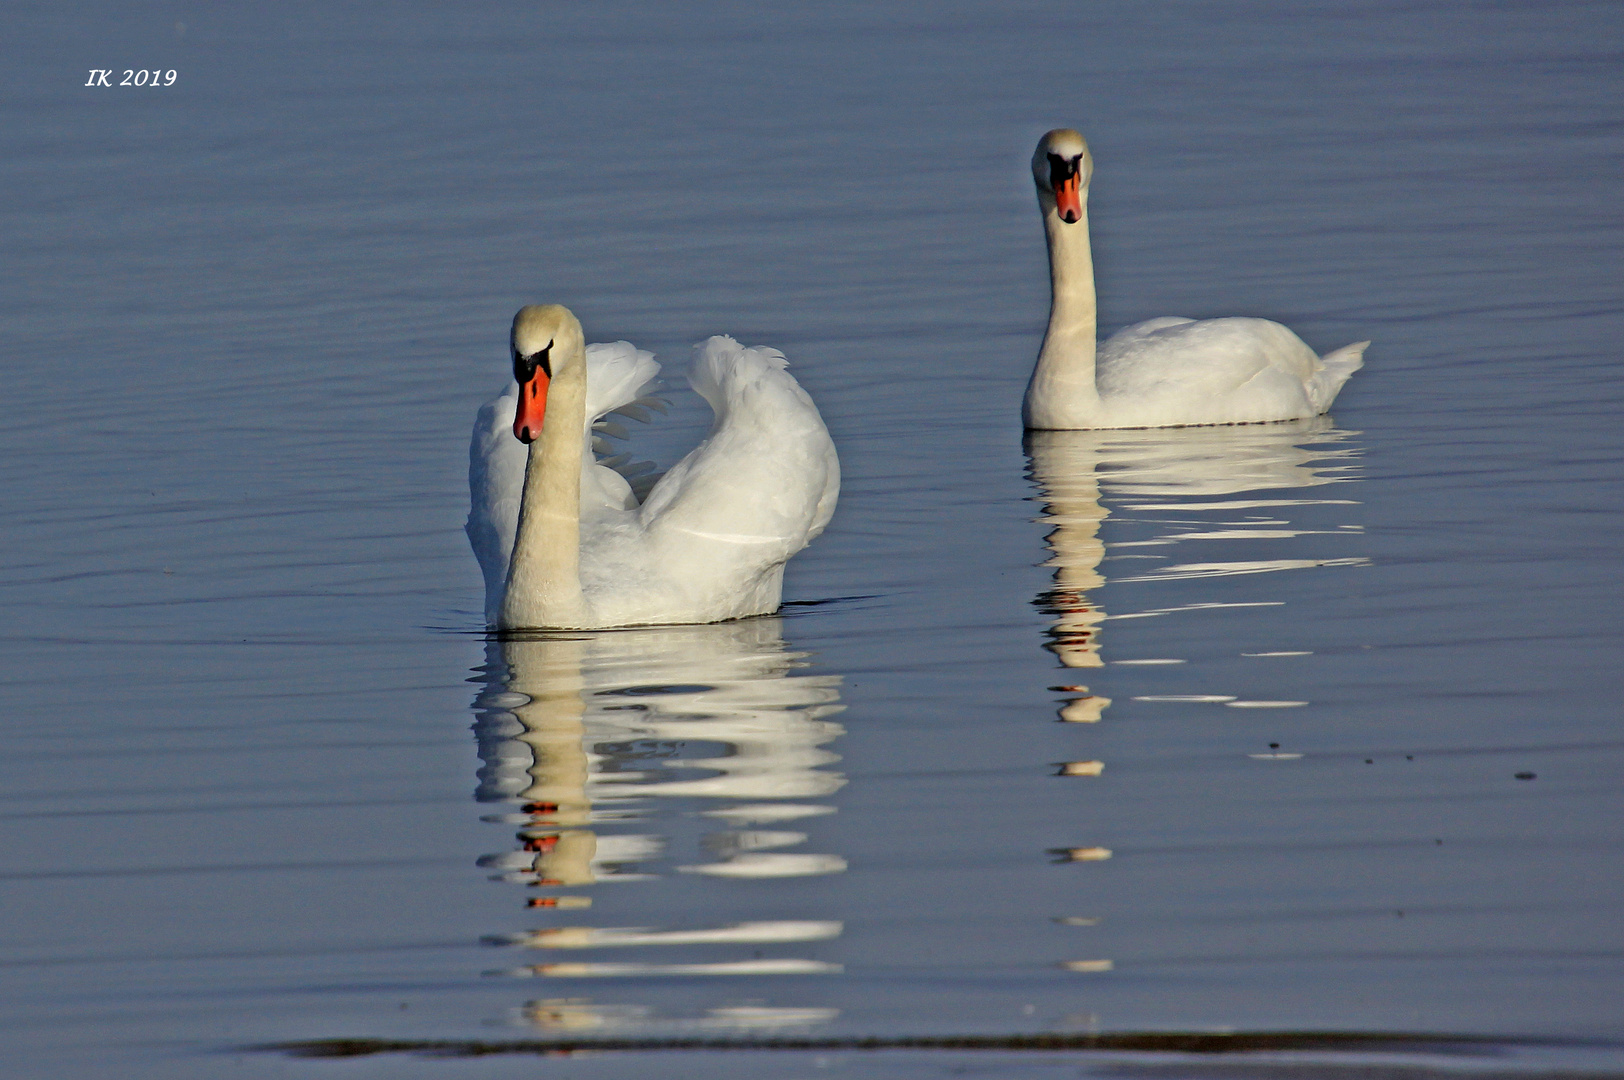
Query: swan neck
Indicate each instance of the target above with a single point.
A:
(1071, 274)
(548, 671)
(1065, 367)
(544, 574)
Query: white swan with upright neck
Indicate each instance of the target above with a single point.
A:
(1167, 372)
(563, 539)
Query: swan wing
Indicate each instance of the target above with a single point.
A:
(496, 464)
(618, 376)
(1198, 360)
(1235, 370)
(716, 530)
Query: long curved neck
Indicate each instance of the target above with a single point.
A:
(544, 574)
(1064, 375)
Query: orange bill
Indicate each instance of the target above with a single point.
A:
(532, 407)
(1068, 198)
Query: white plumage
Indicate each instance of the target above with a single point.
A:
(1166, 372)
(708, 540)
(1171, 372)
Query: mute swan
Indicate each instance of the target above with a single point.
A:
(563, 540)
(1166, 372)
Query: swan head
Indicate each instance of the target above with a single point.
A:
(1062, 167)
(547, 341)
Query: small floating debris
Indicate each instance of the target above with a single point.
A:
(1264, 704)
(1524, 776)
(1274, 757)
(1087, 965)
(1192, 698)
(1083, 854)
(1078, 920)
(562, 903)
(1081, 768)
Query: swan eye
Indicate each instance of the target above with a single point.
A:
(1063, 169)
(524, 367)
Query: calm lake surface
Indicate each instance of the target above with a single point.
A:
(1298, 727)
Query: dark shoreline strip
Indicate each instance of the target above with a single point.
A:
(1170, 1042)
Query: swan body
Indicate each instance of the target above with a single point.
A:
(567, 541)
(1166, 372)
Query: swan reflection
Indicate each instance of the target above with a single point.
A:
(610, 746)
(1174, 491)
(1170, 470)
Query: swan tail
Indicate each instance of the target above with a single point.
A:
(1335, 368)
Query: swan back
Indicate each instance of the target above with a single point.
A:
(1169, 372)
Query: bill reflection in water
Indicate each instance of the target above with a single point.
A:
(664, 757)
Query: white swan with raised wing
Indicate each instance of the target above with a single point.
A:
(563, 538)
(1167, 372)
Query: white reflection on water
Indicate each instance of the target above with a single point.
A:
(602, 741)
(1184, 470)
(575, 1016)
(1181, 468)
(586, 937)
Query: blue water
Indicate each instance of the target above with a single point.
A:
(265, 780)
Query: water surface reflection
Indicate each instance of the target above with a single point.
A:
(1236, 492)
(1178, 471)
(660, 756)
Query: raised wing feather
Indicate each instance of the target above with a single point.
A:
(768, 467)
(617, 374)
(720, 525)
